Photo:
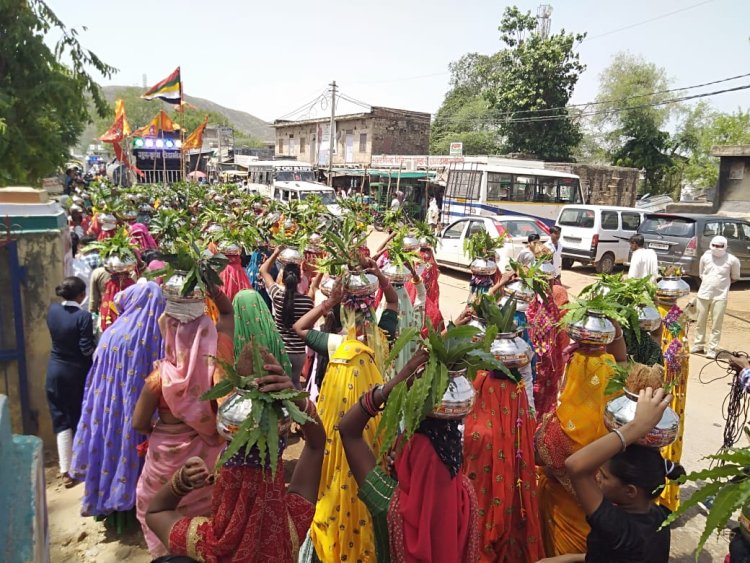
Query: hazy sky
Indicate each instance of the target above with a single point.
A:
(268, 58)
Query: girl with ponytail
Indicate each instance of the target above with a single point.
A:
(289, 306)
(616, 482)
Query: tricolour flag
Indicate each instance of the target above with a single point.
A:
(160, 122)
(169, 89)
(195, 139)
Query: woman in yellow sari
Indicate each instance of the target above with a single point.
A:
(577, 421)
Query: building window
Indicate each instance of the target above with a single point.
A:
(281, 146)
(302, 143)
(363, 142)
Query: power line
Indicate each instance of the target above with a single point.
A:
(631, 26)
(533, 119)
(305, 106)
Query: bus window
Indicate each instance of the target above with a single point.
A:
(523, 188)
(464, 184)
(498, 186)
(546, 190)
(569, 191)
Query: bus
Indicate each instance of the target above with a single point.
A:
(508, 188)
(289, 180)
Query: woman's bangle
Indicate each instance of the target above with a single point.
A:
(379, 389)
(621, 437)
(366, 408)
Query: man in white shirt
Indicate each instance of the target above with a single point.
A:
(555, 246)
(396, 201)
(718, 270)
(643, 262)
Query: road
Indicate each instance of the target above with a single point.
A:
(73, 538)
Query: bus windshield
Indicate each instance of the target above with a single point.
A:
(295, 176)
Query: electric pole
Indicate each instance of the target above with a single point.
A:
(332, 133)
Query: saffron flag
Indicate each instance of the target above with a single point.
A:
(169, 89)
(120, 111)
(160, 122)
(195, 139)
(120, 128)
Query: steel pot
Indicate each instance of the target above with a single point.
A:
(547, 270)
(595, 329)
(478, 323)
(649, 318)
(458, 398)
(172, 289)
(521, 306)
(327, 286)
(424, 243)
(482, 267)
(410, 243)
(214, 229)
(314, 243)
(520, 291)
(119, 265)
(672, 288)
(511, 350)
(290, 256)
(621, 410)
(361, 284)
(230, 249)
(398, 274)
(233, 412)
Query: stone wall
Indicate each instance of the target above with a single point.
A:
(407, 133)
(601, 184)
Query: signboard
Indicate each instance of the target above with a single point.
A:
(412, 162)
(457, 149)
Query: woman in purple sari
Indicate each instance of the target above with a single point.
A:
(105, 452)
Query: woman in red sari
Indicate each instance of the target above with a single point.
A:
(254, 516)
(429, 277)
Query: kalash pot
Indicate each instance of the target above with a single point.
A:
(621, 411)
(649, 318)
(410, 243)
(290, 256)
(482, 267)
(119, 265)
(594, 330)
(172, 289)
(458, 398)
(511, 350)
(397, 273)
(522, 292)
(235, 410)
(361, 284)
(672, 288)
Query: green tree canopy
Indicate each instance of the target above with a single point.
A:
(531, 86)
(43, 102)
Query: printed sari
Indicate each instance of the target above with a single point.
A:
(429, 276)
(233, 277)
(108, 312)
(185, 373)
(104, 449)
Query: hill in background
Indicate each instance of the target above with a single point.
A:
(249, 130)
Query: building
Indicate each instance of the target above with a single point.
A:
(733, 189)
(358, 136)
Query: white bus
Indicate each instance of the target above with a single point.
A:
(289, 180)
(478, 188)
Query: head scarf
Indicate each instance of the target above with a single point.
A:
(187, 372)
(432, 515)
(719, 252)
(233, 277)
(141, 237)
(253, 320)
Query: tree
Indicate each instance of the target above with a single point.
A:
(530, 87)
(43, 102)
(631, 118)
(465, 114)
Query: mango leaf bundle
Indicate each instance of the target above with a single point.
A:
(261, 428)
(482, 245)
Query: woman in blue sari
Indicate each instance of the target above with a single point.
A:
(105, 454)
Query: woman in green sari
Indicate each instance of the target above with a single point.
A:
(253, 320)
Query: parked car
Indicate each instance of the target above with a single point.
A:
(450, 248)
(597, 234)
(682, 238)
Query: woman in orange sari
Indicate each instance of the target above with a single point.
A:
(186, 426)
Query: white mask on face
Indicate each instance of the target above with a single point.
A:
(718, 252)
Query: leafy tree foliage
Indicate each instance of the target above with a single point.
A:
(530, 87)
(43, 102)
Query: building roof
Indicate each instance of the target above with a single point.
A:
(730, 150)
(374, 111)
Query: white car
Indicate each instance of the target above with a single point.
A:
(517, 228)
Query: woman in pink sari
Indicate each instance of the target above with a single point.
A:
(186, 426)
(141, 237)
(429, 276)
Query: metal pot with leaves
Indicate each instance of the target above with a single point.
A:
(481, 247)
(250, 418)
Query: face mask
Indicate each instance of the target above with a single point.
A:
(718, 252)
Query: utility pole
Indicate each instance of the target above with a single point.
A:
(332, 133)
(543, 20)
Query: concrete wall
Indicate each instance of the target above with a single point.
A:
(603, 185)
(43, 254)
(734, 185)
(23, 518)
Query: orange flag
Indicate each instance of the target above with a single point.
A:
(120, 111)
(120, 128)
(160, 122)
(195, 140)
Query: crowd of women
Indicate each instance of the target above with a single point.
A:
(525, 470)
